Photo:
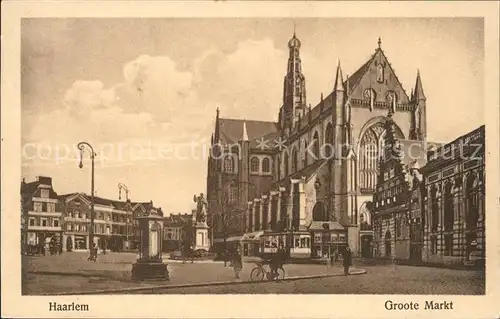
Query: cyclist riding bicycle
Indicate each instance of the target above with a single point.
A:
(277, 260)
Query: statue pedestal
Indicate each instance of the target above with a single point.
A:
(201, 236)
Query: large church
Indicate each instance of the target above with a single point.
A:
(307, 180)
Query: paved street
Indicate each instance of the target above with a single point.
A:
(71, 272)
(383, 279)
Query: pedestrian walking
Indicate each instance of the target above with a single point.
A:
(237, 263)
(332, 258)
(347, 260)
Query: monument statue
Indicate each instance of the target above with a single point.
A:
(201, 208)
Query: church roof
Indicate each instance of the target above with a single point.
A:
(307, 172)
(231, 130)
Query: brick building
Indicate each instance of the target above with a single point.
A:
(42, 212)
(175, 228)
(433, 214)
(114, 222)
(315, 165)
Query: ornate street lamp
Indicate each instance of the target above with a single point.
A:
(81, 147)
(125, 188)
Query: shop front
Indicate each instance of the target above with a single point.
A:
(327, 238)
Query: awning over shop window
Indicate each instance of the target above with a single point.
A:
(320, 225)
(255, 236)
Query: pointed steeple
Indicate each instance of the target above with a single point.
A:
(379, 42)
(419, 90)
(244, 136)
(339, 82)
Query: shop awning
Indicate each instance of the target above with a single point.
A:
(319, 225)
(252, 236)
(231, 239)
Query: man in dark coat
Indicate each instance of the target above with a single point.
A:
(347, 260)
(237, 263)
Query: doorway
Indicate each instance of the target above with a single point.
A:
(388, 251)
(366, 246)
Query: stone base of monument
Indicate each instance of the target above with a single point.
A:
(149, 270)
(201, 236)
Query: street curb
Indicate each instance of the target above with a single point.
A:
(209, 284)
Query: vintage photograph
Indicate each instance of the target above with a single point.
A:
(252, 156)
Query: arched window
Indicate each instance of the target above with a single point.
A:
(254, 165)
(229, 164)
(328, 145)
(304, 153)
(365, 216)
(285, 164)
(449, 212)
(434, 209)
(233, 194)
(319, 212)
(295, 161)
(315, 142)
(472, 204)
(266, 166)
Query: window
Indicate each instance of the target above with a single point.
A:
(44, 193)
(254, 165)
(295, 161)
(398, 227)
(44, 222)
(448, 245)
(266, 165)
(69, 227)
(334, 237)
(56, 222)
(77, 227)
(37, 207)
(32, 221)
(449, 213)
(380, 73)
(44, 207)
(315, 142)
(229, 164)
(328, 146)
(434, 209)
(233, 194)
(433, 245)
(317, 237)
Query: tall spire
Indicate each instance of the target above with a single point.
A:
(339, 82)
(419, 90)
(244, 137)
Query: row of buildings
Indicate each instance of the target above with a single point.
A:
(66, 219)
(317, 179)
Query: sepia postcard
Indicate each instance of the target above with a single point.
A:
(250, 159)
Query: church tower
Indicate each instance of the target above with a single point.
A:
(419, 121)
(294, 88)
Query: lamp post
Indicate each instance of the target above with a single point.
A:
(125, 188)
(81, 147)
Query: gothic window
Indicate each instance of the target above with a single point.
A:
(254, 165)
(380, 73)
(266, 166)
(233, 194)
(304, 154)
(448, 245)
(319, 212)
(285, 163)
(398, 227)
(229, 164)
(328, 145)
(434, 209)
(315, 142)
(471, 210)
(368, 160)
(295, 161)
(449, 213)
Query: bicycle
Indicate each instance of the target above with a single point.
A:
(259, 272)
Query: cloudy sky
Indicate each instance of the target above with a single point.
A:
(144, 92)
